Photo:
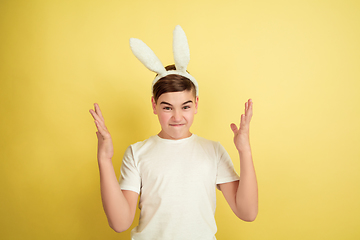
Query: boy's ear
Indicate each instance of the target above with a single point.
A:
(196, 104)
(153, 105)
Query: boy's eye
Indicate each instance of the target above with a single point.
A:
(186, 107)
(167, 108)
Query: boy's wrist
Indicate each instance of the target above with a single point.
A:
(245, 149)
(244, 146)
(104, 160)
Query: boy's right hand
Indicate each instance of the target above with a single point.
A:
(105, 145)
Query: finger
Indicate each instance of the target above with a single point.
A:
(248, 104)
(98, 111)
(250, 110)
(95, 116)
(242, 121)
(102, 131)
(234, 128)
(98, 134)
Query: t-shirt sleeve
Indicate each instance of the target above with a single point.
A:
(130, 177)
(225, 168)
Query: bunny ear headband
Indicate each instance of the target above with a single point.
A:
(152, 62)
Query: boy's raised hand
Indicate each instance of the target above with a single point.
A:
(241, 135)
(105, 145)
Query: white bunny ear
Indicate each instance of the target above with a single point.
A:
(180, 49)
(146, 56)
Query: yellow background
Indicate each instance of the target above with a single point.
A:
(298, 60)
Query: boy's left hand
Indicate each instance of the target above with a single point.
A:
(241, 135)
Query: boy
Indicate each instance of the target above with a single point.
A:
(175, 172)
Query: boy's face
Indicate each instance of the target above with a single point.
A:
(176, 112)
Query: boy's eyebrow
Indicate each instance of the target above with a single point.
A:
(190, 101)
(165, 103)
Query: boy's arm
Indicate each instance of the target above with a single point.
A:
(242, 195)
(119, 206)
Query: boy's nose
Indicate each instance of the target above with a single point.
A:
(177, 116)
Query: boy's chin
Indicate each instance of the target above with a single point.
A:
(174, 135)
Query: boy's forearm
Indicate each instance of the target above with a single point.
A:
(247, 193)
(115, 205)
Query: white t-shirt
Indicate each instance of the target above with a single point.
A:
(177, 181)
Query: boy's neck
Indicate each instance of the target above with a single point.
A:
(163, 135)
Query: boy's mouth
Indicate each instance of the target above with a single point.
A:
(176, 125)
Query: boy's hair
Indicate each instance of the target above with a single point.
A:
(172, 83)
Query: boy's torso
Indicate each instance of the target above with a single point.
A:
(178, 193)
